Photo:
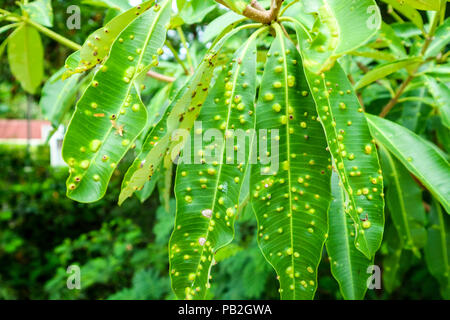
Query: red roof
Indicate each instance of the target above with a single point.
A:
(18, 128)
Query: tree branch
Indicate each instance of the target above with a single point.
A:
(257, 13)
(160, 77)
(429, 37)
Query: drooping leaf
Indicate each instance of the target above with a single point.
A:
(409, 12)
(441, 94)
(440, 72)
(98, 45)
(348, 264)
(440, 41)
(354, 153)
(104, 126)
(404, 200)
(208, 187)
(383, 70)
(57, 96)
(215, 27)
(394, 42)
(8, 27)
(374, 54)
(416, 154)
(121, 5)
(342, 26)
(194, 11)
(25, 56)
(290, 187)
(181, 113)
(40, 11)
(437, 250)
(396, 261)
(424, 4)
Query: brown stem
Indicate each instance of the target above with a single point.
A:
(394, 100)
(160, 77)
(255, 4)
(257, 13)
(403, 86)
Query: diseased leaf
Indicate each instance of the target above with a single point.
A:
(57, 96)
(404, 200)
(416, 154)
(354, 153)
(290, 187)
(104, 126)
(437, 250)
(25, 56)
(383, 70)
(180, 114)
(208, 186)
(348, 264)
(97, 46)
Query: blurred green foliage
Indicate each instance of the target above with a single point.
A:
(122, 251)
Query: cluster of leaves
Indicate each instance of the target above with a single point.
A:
(89, 235)
(310, 77)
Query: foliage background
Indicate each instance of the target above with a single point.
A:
(122, 251)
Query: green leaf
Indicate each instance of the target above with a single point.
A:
(348, 264)
(3, 46)
(416, 154)
(8, 27)
(40, 11)
(441, 94)
(396, 262)
(179, 114)
(334, 33)
(105, 125)
(25, 56)
(394, 42)
(404, 200)
(424, 4)
(354, 154)
(408, 11)
(57, 96)
(208, 187)
(194, 11)
(291, 190)
(148, 188)
(383, 70)
(98, 45)
(215, 27)
(440, 40)
(374, 54)
(437, 250)
(440, 72)
(121, 5)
